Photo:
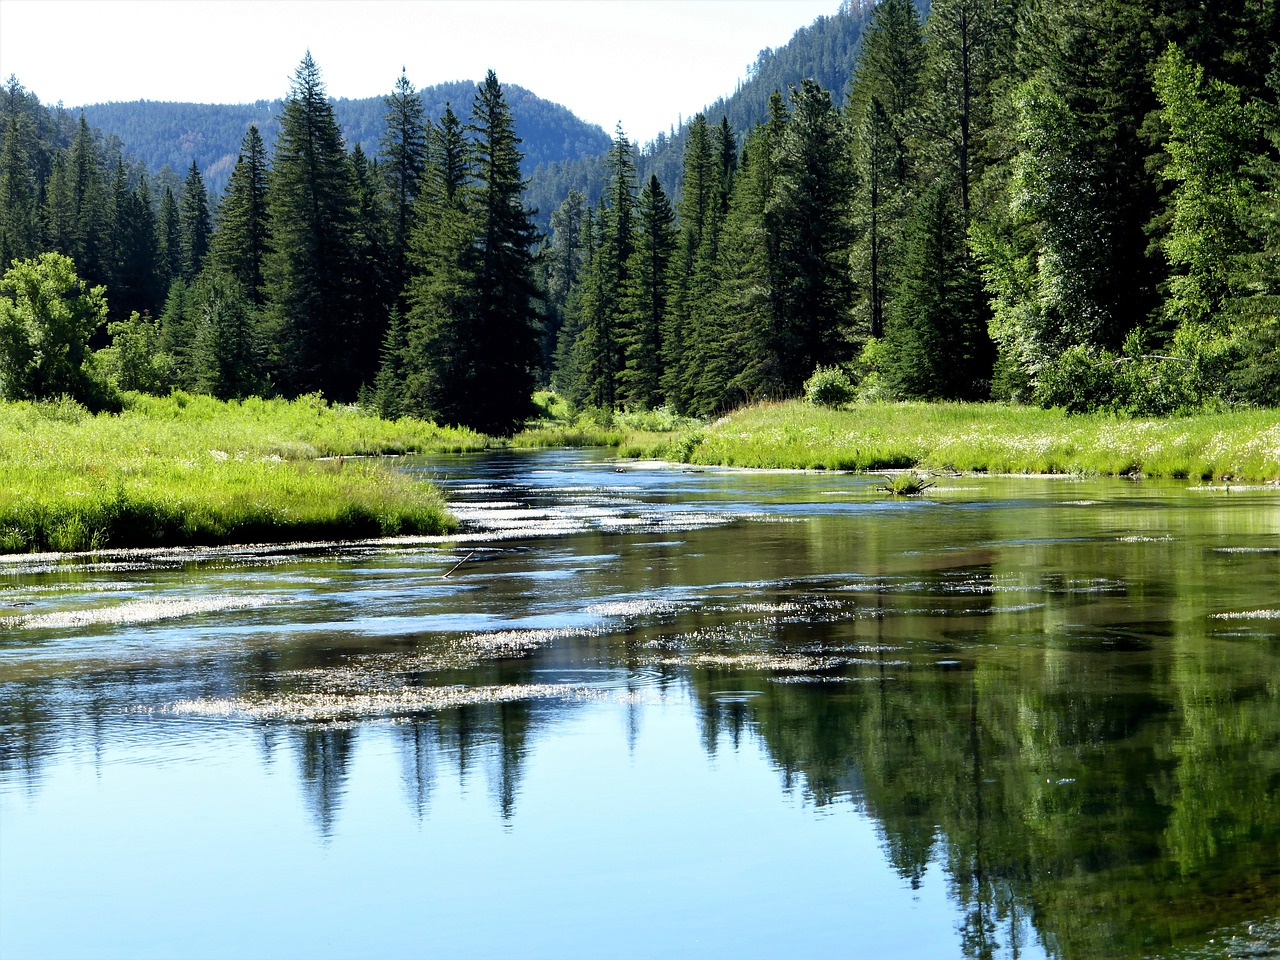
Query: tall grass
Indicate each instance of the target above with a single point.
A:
(992, 438)
(190, 469)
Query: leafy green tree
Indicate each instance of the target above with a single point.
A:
(47, 315)
(311, 260)
(1212, 136)
(195, 223)
(135, 361)
(239, 244)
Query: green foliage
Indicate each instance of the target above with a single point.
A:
(134, 361)
(828, 387)
(47, 315)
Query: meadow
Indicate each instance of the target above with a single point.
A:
(1242, 446)
(189, 469)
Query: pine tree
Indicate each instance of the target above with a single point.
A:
(881, 114)
(168, 241)
(137, 281)
(438, 361)
(239, 244)
(644, 305)
(563, 260)
(403, 157)
(227, 357)
(373, 293)
(19, 197)
(506, 322)
(698, 212)
(194, 222)
(472, 340)
(810, 213)
(311, 261)
(602, 352)
(936, 344)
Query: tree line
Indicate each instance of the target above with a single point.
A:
(1073, 205)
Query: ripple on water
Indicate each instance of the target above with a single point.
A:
(139, 611)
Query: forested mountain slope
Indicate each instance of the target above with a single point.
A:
(825, 51)
(175, 134)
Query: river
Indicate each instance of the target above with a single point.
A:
(640, 711)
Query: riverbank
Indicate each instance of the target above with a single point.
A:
(183, 469)
(979, 438)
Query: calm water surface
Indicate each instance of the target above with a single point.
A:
(640, 712)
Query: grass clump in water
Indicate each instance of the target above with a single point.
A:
(194, 470)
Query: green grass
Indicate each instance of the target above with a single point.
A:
(989, 438)
(193, 470)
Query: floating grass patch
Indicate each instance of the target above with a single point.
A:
(184, 470)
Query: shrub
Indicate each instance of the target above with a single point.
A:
(828, 387)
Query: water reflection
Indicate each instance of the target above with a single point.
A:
(1059, 703)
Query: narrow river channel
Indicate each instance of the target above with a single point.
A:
(634, 711)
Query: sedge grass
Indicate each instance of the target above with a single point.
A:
(980, 438)
(194, 470)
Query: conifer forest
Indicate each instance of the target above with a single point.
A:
(1074, 205)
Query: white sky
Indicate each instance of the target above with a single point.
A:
(645, 63)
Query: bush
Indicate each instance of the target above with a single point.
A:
(828, 387)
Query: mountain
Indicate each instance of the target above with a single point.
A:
(175, 134)
(825, 51)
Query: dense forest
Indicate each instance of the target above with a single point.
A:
(1075, 205)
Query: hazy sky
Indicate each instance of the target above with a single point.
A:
(643, 62)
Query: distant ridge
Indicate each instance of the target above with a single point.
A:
(175, 134)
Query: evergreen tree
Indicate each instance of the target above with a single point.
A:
(645, 298)
(602, 352)
(563, 263)
(239, 244)
(137, 282)
(438, 351)
(85, 209)
(373, 292)
(19, 197)
(227, 355)
(698, 213)
(936, 342)
(472, 343)
(810, 210)
(311, 259)
(881, 113)
(195, 223)
(168, 241)
(403, 158)
(507, 324)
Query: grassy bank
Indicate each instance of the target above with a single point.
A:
(188, 470)
(989, 438)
